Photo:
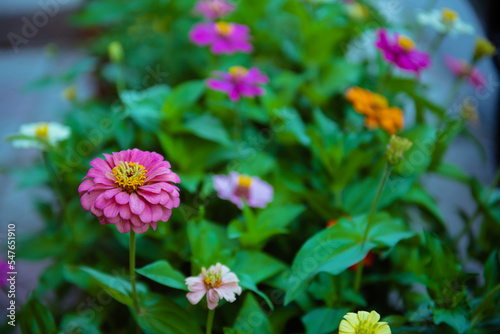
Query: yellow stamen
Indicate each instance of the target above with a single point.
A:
(224, 28)
(244, 181)
(406, 43)
(129, 175)
(42, 130)
(448, 15)
(213, 279)
(238, 71)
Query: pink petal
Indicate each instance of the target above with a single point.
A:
(122, 197)
(195, 297)
(136, 204)
(123, 226)
(212, 299)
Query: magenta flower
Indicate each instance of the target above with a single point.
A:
(131, 189)
(239, 82)
(223, 37)
(235, 187)
(214, 9)
(462, 69)
(217, 283)
(4, 269)
(402, 52)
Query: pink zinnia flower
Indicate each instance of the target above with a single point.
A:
(223, 37)
(214, 9)
(235, 187)
(131, 189)
(402, 52)
(462, 69)
(4, 269)
(217, 282)
(239, 82)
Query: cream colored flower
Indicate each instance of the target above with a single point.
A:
(445, 21)
(363, 323)
(39, 135)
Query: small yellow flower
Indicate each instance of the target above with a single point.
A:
(363, 323)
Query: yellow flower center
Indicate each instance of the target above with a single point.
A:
(224, 28)
(367, 327)
(42, 130)
(129, 175)
(448, 15)
(406, 43)
(213, 279)
(238, 71)
(244, 181)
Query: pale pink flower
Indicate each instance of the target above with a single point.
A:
(218, 282)
(235, 187)
(214, 9)
(131, 189)
(462, 69)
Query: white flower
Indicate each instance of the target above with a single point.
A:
(445, 21)
(37, 134)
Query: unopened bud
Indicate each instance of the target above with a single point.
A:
(484, 48)
(115, 51)
(396, 149)
(69, 93)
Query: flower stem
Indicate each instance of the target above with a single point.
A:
(237, 129)
(387, 172)
(359, 271)
(472, 219)
(132, 271)
(436, 43)
(210, 321)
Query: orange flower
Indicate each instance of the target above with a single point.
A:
(367, 261)
(376, 110)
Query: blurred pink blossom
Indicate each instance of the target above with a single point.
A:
(235, 187)
(462, 69)
(401, 52)
(214, 9)
(239, 82)
(223, 37)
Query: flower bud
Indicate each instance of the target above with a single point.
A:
(115, 51)
(69, 94)
(396, 149)
(484, 48)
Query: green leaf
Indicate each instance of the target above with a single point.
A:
(418, 158)
(182, 97)
(323, 320)
(292, 124)
(251, 318)
(335, 249)
(209, 243)
(247, 283)
(162, 272)
(117, 288)
(208, 127)
(244, 262)
(161, 316)
(421, 197)
(457, 318)
(36, 318)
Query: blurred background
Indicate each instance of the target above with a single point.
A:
(28, 53)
